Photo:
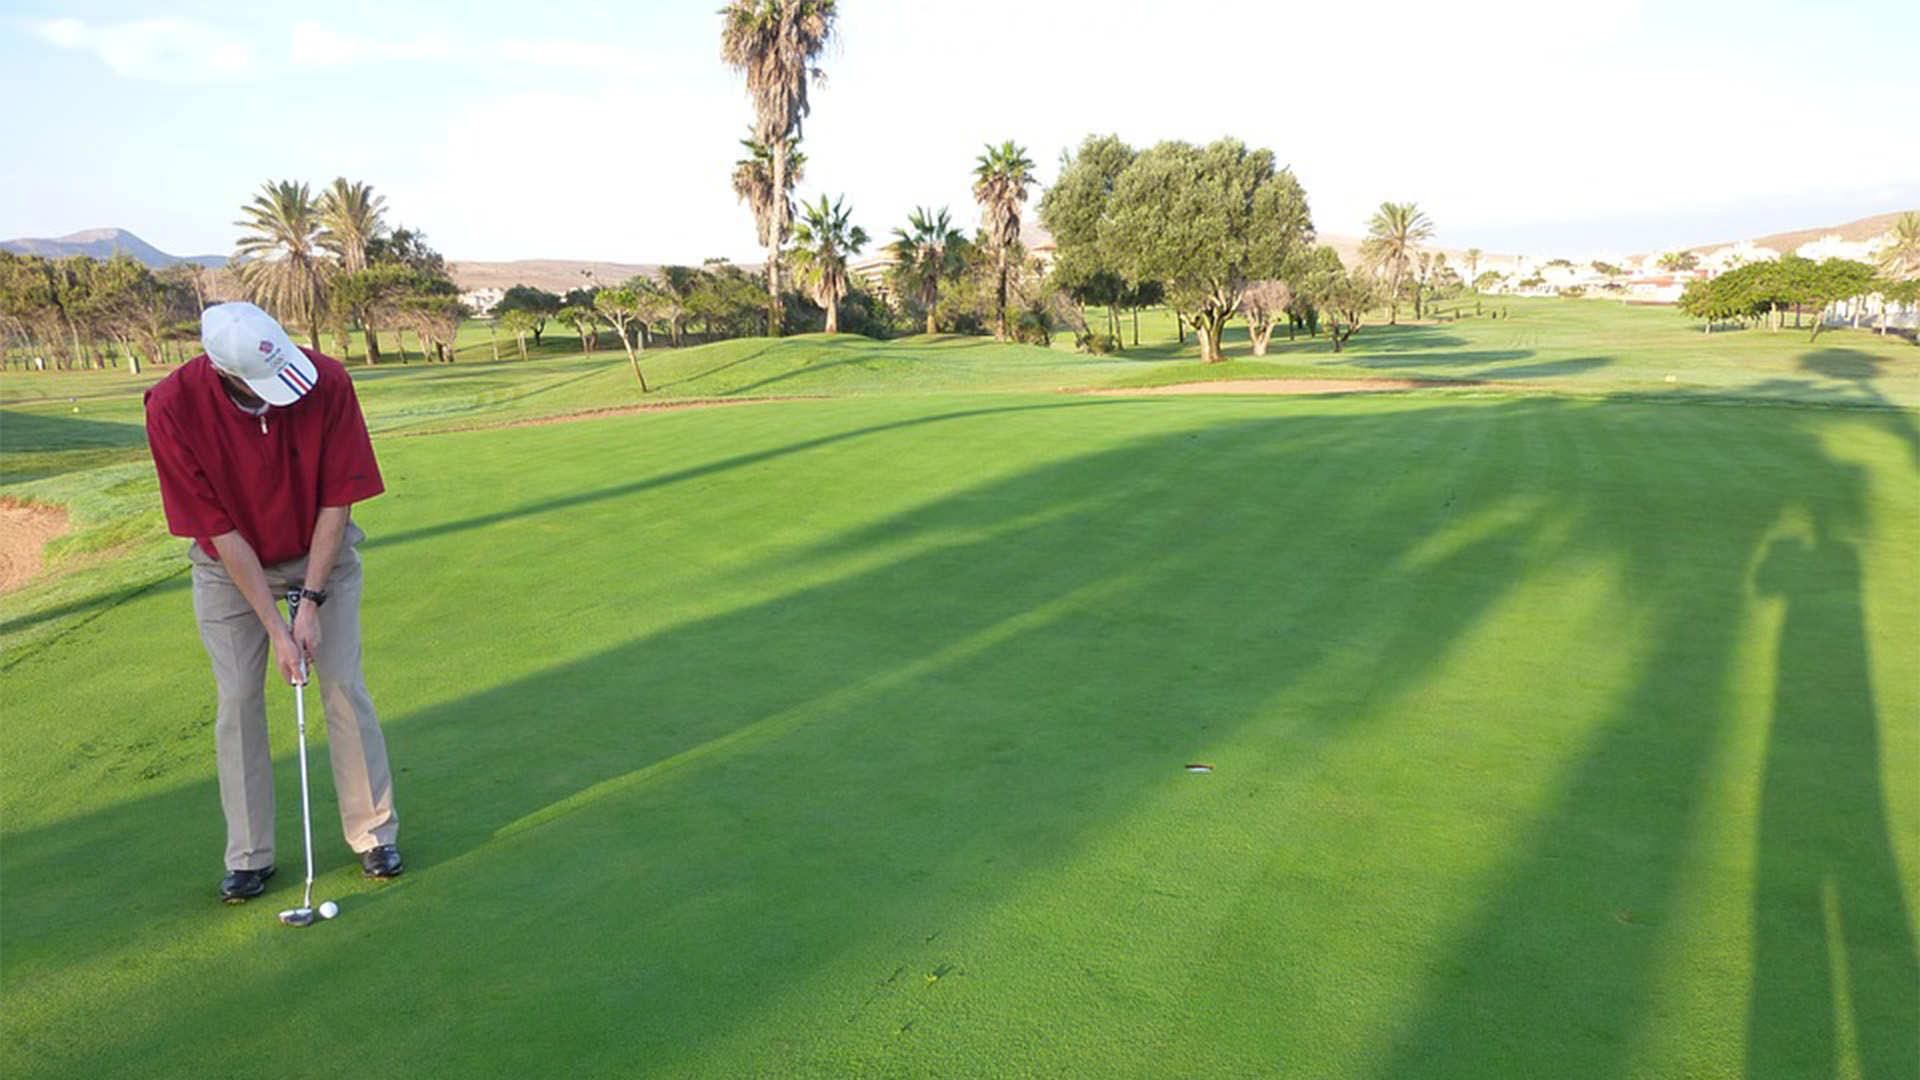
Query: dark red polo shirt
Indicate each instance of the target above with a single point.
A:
(222, 468)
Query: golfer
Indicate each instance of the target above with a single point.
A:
(262, 451)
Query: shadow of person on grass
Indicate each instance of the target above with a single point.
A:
(655, 842)
(1836, 990)
(1565, 971)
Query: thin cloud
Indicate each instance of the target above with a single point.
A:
(167, 49)
(315, 44)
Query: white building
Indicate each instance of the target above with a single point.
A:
(481, 301)
(1832, 247)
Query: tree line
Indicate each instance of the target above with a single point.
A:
(1764, 292)
(325, 264)
(331, 263)
(82, 312)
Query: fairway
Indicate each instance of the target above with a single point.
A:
(847, 737)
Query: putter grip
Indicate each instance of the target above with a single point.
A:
(293, 608)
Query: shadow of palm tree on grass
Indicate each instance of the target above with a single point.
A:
(916, 719)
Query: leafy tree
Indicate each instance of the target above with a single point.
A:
(1345, 297)
(738, 303)
(1899, 262)
(824, 239)
(927, 253)
(409, 248)
(279, 259)
(585, 323)
(774, 43)
(1835, 280)
(350, 220)
(1001, 177)
(1204, 222)
(539, 305)
(405, 285)
(1263, 304)
(1674, 261)
(1905, 292)
(519, 322)
(1393, 235)
(1309, 277)
(1071, 211)
(673, 293)
(626, 310)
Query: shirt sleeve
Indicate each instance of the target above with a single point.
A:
(348, 471)
(191, 507)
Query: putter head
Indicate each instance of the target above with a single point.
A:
(300, 916)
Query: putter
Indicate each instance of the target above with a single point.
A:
(304, 915)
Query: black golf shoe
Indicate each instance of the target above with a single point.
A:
(381, 862)
(240, 886)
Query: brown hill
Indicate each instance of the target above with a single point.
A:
(1867, 228)
(553, 275)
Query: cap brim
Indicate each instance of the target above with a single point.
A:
(290, 385)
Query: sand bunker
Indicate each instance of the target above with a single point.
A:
(24, 532)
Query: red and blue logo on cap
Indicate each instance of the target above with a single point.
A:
(294, 380)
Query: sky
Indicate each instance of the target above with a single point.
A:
(609, 130)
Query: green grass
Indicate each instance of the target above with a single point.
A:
(1553, 732)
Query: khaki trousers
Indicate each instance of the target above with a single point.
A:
(240, 650)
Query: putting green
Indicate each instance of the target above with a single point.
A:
(836, 738)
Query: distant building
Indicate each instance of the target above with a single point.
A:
(1832, 246)
(870, 273)
(481, 301)
(1744, 253)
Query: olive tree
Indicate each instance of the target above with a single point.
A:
(1204, 221)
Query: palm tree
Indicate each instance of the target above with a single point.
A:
(822, 241)
(1001, 178)
(1899, 255)
(350, 222)
(1474, 255)
(279, 260)
(1393, 236)
(753, 184)
(774, 43)
(930, 250)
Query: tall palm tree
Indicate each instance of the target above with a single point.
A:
(774, 44)
(822, 241)
(350, 222)
(1474, 255)
(280, 263)
(1899, 255)
(1393, 235)
(1001, 178)
(929, 251)
(753, 184)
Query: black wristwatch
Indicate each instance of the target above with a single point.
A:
(318, 596)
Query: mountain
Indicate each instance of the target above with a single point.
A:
(1867, 228)
(553, 275)
(105, 244)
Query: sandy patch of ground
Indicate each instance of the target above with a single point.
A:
(1291, 386)
(24, 532)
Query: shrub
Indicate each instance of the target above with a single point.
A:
(1097, 343)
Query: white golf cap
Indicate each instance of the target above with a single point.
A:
(246, 342)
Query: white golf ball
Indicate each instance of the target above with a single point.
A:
(328, 909)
